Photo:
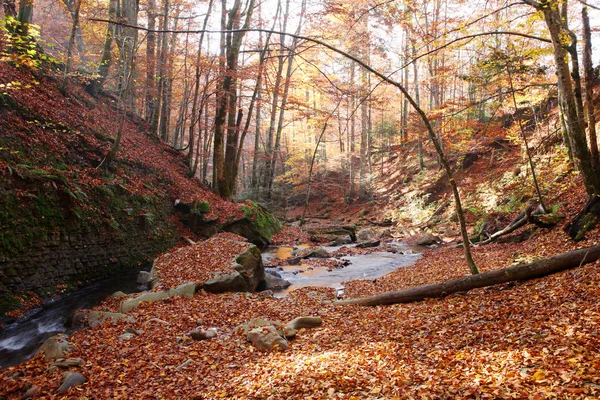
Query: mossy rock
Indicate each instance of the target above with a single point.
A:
(258, 226)
(201, 208)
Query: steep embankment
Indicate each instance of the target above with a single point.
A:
(65, 219)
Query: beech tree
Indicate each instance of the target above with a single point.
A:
(564, 45)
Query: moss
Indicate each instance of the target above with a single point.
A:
(8, 303)
(201, 208)
(265, 222)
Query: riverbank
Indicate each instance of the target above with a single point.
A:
(536, 338)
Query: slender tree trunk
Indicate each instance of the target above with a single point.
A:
(284, 98)
(95, 86)
(151, 62)
(196, 119)
(69, 62)
(588, 74)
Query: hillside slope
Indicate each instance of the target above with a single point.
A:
(63, 218)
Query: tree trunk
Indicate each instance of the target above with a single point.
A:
(573, 121)
(536, 269)
(95, 86)
(284, 98)
(72, 8)
(24, 17)
(126, 38)
(151, 62)
(69, 62)
(196, 118)
(588, 75)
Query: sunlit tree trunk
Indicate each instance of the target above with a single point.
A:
(72, 7)
(151, 62)
(588, 74)
(95, 86)
(562, 38)
(69, 62)
(126, 38)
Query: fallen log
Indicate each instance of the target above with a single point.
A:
(520, 220)
(536, 269)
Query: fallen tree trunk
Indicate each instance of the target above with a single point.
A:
(522, 219)
(536, 269)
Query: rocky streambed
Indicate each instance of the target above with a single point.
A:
(286, 269)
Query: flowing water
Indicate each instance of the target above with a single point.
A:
(367, 266)
(21, 339)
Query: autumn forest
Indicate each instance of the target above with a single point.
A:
(293, 199)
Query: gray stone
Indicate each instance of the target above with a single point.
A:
(267, 338)
(144, 277)
(187, 289)
(96, 318)
(55, 347)
(367, 244)
(318, 252)
(118, 295)
(71, 379)
(203, 334)
(365, 234)
(427, 239)
(249, 264)
(304, 322)
(275, 283)
(32, 392)
(341, 240)
(126, 336)
(68, 363)
(233, 282)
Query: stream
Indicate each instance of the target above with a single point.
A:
(20, 340)
(366, 266)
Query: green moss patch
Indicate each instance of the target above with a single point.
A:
(265, 223)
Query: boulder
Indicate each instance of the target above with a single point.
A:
(96, 318)
(365, 234)
(31, 393)
(367, 244)
(77, 321)
(71, 379)
(267, 338)
(341, 241)
(317, 252)
(55, 347)
(426, 239)
(249, 264)
(203, 334)
(220, 283)
(258, 225)
(304, 322)
(118, 295)
(247, 272)
(144, 277)
(187, 290)
(273, 282)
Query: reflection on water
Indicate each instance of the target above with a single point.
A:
(20, 340)
(367, 266)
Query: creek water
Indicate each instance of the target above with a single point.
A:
(21, 339)
(366, 266)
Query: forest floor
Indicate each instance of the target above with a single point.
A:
(534, 339)
(538, 339)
